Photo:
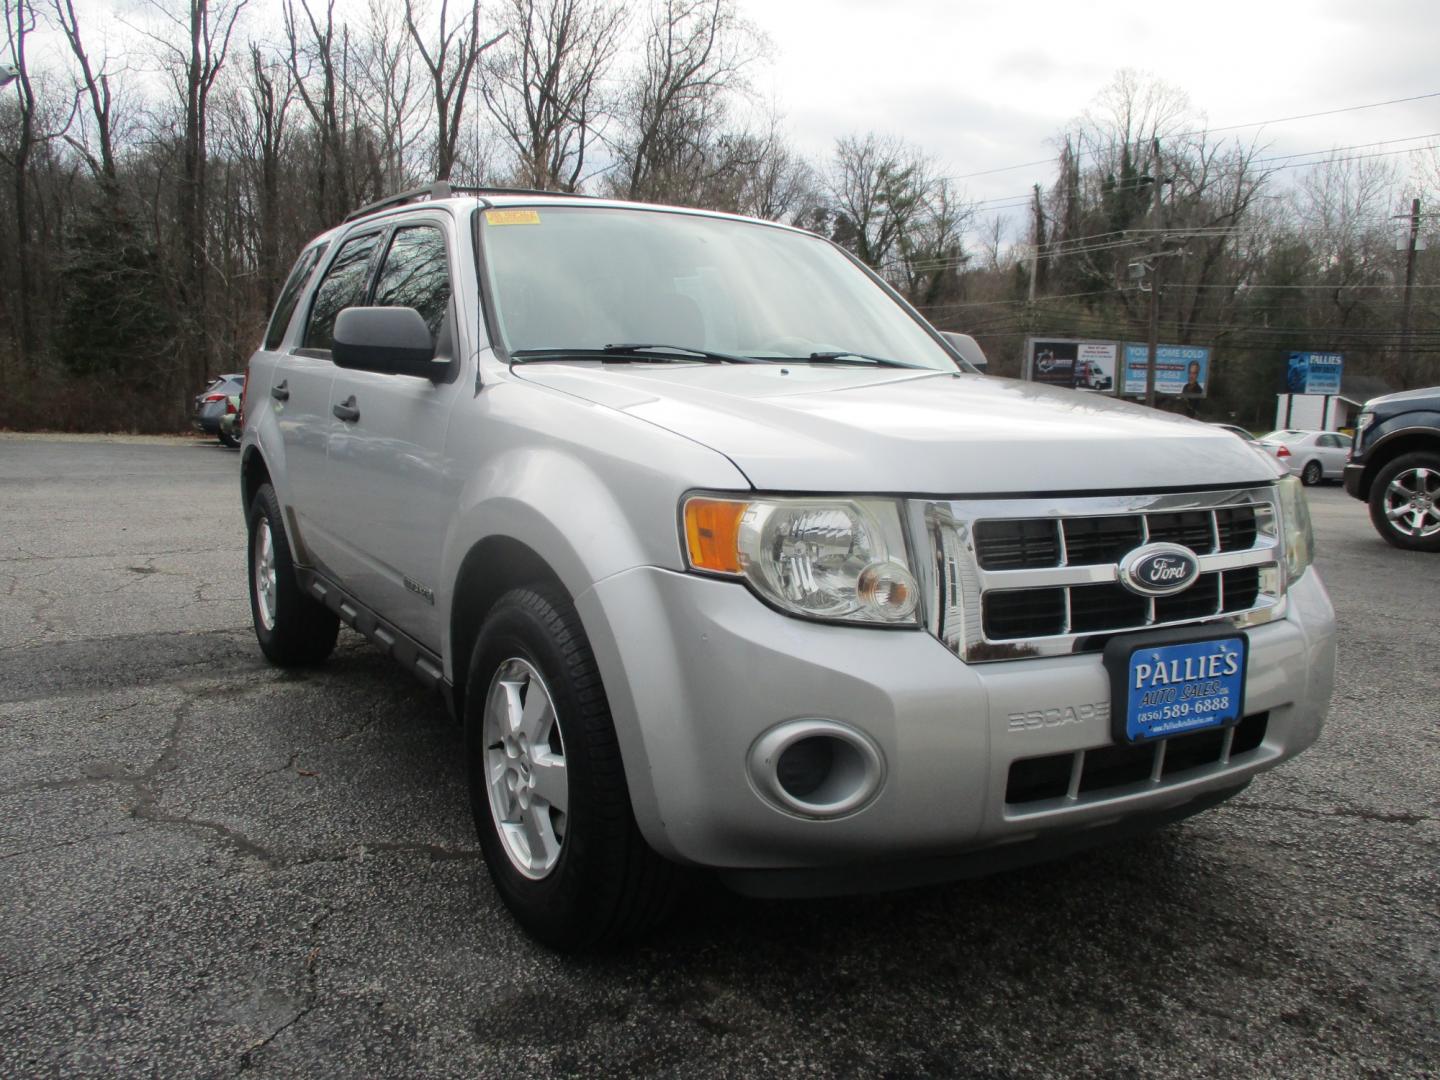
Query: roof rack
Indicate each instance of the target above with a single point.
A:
(442, 189)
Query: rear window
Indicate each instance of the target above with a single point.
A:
(290, 296)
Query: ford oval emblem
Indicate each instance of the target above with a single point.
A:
(1159, 570)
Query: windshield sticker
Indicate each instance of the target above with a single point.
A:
(512, 217)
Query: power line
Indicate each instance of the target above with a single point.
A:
(1321, 157)
(1208, 131)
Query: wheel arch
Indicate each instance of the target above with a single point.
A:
(254, 473)
(1406, 440)
(492, 567)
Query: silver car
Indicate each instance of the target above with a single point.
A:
(1311, 455)
(724, 559)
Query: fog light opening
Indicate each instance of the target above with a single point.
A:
(818, 768)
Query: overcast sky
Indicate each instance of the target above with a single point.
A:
(983, 84)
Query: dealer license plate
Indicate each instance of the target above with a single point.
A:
(1175, 682)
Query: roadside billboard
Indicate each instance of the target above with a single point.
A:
(1180, 370)
(1314, 372)
(1072, 363)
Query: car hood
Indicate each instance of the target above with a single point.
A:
(1427, 397)
(831, 428)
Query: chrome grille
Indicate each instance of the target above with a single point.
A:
(1031, 577)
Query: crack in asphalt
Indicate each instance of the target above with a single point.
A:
(146, 806)
(311, 993)
(30, 556)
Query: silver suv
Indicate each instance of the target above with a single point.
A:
(724, 558)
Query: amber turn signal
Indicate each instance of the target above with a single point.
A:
(712, 529)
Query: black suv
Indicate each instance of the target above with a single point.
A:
(1395, 467)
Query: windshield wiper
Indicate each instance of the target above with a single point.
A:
(843, 357)
(636, 351)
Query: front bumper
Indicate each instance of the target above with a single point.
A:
(696, 670)
(1355, 480)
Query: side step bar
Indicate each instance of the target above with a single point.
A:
(414, 657)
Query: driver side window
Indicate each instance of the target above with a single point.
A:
(343, 286)
(416, 274)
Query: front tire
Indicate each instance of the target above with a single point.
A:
(293, 629)
(547, 787)
(1312, 473)
(1405, 502)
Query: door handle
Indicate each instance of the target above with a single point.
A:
(346, 410)
(282, 391)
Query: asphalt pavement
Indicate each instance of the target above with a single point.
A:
(209, 866)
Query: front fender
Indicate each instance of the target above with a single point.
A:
(587, 517)
(1383, 437)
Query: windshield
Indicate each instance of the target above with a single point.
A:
(585, 278)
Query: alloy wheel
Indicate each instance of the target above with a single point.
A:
(525, 768)
(1412, 503)
(264, 573)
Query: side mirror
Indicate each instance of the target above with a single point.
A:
(390, 340)
(968, 348)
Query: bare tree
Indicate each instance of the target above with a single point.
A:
(19, 24)
(270, 94)
(877, 187)
(391, 102)
(778, 184)
(318, 55)
(194, 49)
(544, 85)
(450, 60)
(695, 54)
(95, 85)
(932, 252)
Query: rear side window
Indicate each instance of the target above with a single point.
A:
(290, 296)
(416, 274)
(343, 286)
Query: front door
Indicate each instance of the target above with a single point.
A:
(387, 471)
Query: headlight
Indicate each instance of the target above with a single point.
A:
(837, 559)
(1295, 521)
(1362, 422)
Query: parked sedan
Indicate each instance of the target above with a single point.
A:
(1311, 455)
(214, 402)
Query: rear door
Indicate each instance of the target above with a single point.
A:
(393, 495)
(268, 375)
(301, 394)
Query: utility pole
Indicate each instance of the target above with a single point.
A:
(1036, 239)
(1038, 230)
(1154, 280)
(1407, 365)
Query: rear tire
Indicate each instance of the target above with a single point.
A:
(1312, 474)
(1405, 502)
(293, 629)
(227, 439)
(547, 786)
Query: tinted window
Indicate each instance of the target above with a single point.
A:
(416, 274)
(290, 296)
(343, 286)
(1329, 441)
